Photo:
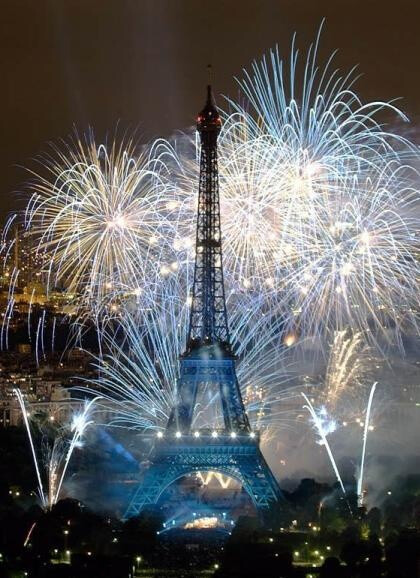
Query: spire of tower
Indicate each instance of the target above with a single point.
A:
(208, 319)
(209, 119)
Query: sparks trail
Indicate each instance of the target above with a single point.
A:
(55, 454)
(365, 436)
(323, 431)
(350, 365)
(136, 378)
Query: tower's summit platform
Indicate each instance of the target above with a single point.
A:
(209, 118)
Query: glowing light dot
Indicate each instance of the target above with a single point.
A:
(289, 340)
(365, 237)
(347, 268)
(178, 434)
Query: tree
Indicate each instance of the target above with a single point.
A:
(331, 568)
(403, 554)
(139, 534)
(280, 514)
(245, 530)
(374, 520)
(353, 553)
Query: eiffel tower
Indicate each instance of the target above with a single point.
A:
(208, 361)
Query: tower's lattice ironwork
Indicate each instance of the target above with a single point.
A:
(208, 360)
(208, 320)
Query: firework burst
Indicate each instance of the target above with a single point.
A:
(357, 265)
(137, 379)
(99, 220)
(313, 110)
(317, 203)
(318, 200)
(346, 368)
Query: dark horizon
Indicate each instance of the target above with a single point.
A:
(142, 65)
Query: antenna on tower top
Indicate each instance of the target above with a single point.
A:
(210, 73)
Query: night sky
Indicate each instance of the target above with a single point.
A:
(142, 63)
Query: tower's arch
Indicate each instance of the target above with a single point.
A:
(230, 472)
(176, 458)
